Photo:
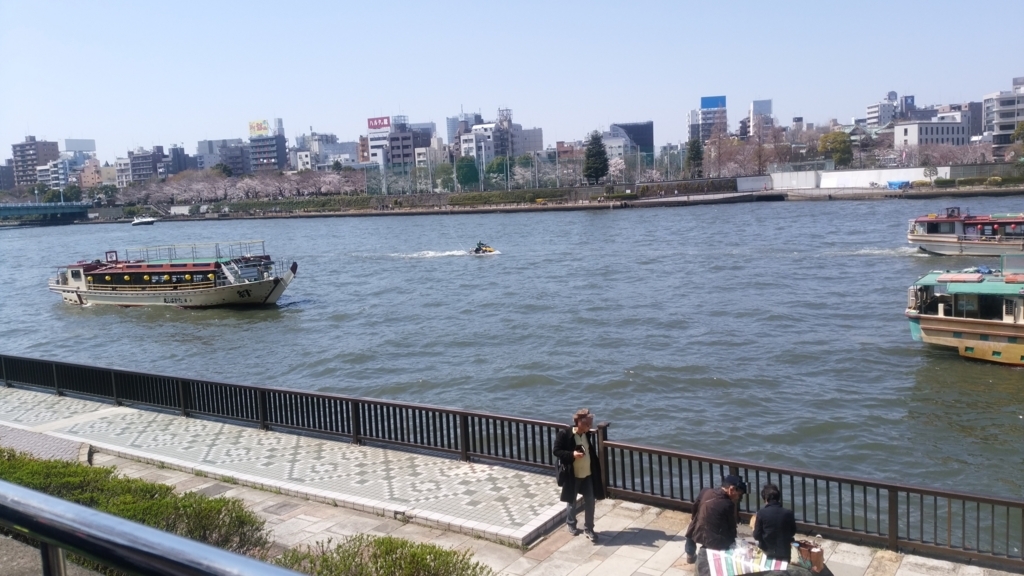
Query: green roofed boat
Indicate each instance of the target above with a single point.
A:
(182, 275)
(977, 311)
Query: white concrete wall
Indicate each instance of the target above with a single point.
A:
(754, 183)
(795, 180)
(864, 178)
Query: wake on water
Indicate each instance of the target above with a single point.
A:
(899, 252)
(436, 254)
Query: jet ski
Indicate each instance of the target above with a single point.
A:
(482, 249)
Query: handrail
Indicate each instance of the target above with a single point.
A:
(115, 542)
(890, 514)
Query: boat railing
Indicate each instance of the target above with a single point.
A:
(114, 542)
(168, 287)
(199, 251)
(960, 525)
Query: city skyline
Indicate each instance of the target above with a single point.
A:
(144, 75)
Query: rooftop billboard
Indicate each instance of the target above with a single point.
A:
(712, 102)
(259, 128)
(73, 145)
(378, 123)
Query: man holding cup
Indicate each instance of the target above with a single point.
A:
(580, 471)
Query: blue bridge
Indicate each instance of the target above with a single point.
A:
(65, 211)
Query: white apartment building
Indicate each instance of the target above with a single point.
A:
(1002, 111)
(433, 155)
(124, 172)
(616, 146)
(303, 160)
(952, 128)
(478, 145)
(881, 113)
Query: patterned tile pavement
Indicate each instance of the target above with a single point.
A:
(43, 446)
(498, 502)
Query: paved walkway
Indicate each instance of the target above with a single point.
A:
(635, 539)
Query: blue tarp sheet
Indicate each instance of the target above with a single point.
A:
(898, 184)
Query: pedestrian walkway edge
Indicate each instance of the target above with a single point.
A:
(521, 537)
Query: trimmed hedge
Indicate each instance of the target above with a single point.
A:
(920, 183)
(221, 522)
(944, 183)
(975, 181)
(994, 181)
(364, 555)
(505, 197)
(688, 187)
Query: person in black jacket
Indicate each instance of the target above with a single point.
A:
(580, 471)
(774, 526)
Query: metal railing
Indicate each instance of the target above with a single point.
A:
(896, 516)
(953, 524)
(116, 543)
(465, 433)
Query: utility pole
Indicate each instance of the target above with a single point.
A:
(557, 180)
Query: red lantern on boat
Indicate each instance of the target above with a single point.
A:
(995, 226)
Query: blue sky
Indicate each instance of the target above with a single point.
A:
(144, 72)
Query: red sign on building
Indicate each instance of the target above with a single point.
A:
(377, 123)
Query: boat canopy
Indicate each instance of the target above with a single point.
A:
(990, 287)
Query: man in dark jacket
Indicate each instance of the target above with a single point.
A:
(774, 526)
(580, 472)
(714, 517)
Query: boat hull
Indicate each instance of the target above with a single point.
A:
(263, 292)
(993, 341)
(952, 246)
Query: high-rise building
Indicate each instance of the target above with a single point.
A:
(268, 153)
(711, 119)
(972, 112)
(1002, 111)
(881, 113)
(759, 118)
(208, 151)
(7, 175)
(145, 164)
(124, 172)
(28, 156)
(455, 122)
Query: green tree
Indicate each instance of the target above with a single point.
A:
(336, 167)
(838, 146)
(444, 175)
(695, 158)
(466, 172)
(525, 161)
(222, 169)
(595, 158)
(496, 168)
(1018, 134)
(73, 193)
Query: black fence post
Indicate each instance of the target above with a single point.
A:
(3, 369)
(261, 407)
(183, 397)
(894, 520)
(113, 388)
(56, 385)
(464, 437)
(353, 417)
(602, 453)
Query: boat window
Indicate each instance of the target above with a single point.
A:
(946, 227)
(76, 274)
(134, 266)
(179, 265)
(154, 265)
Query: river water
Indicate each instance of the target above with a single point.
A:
(772, 332)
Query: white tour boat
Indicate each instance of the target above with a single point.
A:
(954, 233)
(185, 275)
(143, 221)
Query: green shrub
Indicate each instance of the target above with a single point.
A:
(221, 522)
(364, 555)
(974, 181)
(994, 181)
(920, 183)
(1013, 180)
(609, 189)
(623, 196)
(944, 183)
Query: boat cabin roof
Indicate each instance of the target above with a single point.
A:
(953, 214)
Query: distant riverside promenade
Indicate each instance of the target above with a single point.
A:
(480, 475)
